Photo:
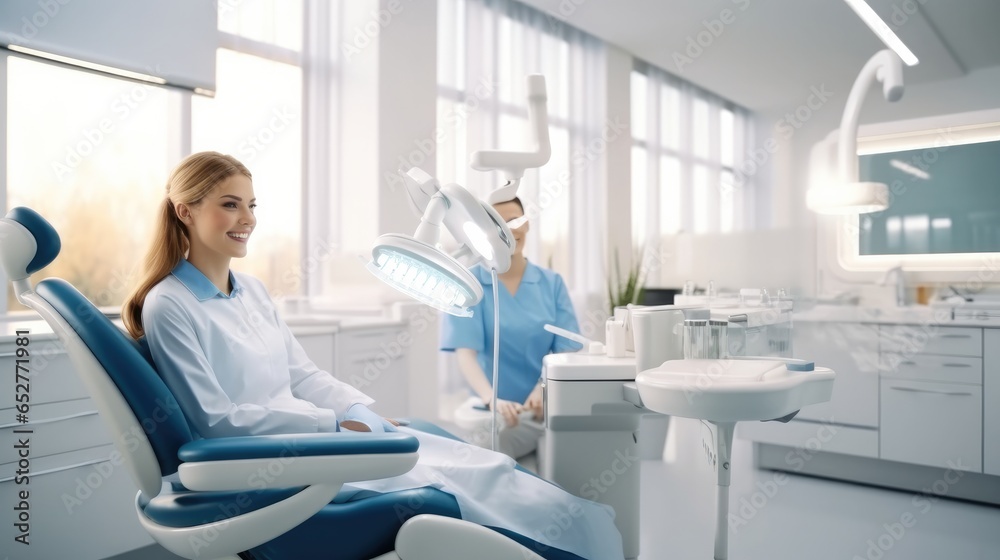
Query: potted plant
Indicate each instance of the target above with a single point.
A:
(622, 292)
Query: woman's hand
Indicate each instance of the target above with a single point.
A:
(535, 403)
(509, 410)
(360, 418)
(353, 425)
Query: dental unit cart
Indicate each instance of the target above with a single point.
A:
(594, 403)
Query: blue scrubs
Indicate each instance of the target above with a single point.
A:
(541, 298)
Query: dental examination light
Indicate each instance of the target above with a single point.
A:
(513, 164)
(418, 268)
(849, 195)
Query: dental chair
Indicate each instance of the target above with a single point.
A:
(254, 497)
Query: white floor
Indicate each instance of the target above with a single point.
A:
(798, 517)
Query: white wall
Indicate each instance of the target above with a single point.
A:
(388, 110)
(785, 254)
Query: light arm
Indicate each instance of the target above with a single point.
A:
(845, 194)
(513, 164)
(885, 67)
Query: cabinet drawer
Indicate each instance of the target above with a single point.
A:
(364, 340)
(81, 506)
(52, 376)
(991, 401)
(929, 339)
(357, 368)
(924, 367)
(319, 348)
(56, 428)
(934, 424)
(384, 381)
(851, 350)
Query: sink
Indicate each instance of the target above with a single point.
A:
(721, 393)
(733, 390)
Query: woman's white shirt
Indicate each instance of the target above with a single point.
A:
(232, 363)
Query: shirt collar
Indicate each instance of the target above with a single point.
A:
(532, 274)
(199, 285)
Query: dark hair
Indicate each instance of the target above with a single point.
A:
(515, 200)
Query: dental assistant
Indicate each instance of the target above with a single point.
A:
(530, 297)
(236, 370)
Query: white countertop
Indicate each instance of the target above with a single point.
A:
(39, 330)
(943, 315)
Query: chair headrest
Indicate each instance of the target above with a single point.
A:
(28, 243)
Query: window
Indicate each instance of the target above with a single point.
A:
(687, 144)
(262, 43)
(486, 48)
(92, 153)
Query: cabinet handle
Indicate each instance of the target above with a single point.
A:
(956, 336)
(908, 363)
(373, 357)
(14, 354)
(949, 393)
(955, 365)
(369, 334)
(60, 469)
(50, 420)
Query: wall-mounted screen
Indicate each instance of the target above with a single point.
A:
(944, 199)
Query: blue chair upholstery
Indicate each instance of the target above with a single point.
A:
(361, 526)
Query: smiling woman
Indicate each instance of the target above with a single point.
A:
(202, 219)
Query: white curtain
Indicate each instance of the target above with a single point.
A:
(688, 145)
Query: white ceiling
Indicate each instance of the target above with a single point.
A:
(774, 51)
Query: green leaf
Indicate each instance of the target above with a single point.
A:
(630, 289)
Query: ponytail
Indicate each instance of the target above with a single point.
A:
(189, 183)
(169, 245)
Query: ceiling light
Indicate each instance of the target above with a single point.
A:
(884, 32)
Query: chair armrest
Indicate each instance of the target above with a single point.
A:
(300, 445)
(283, 461)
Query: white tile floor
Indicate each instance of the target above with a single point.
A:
(804, 518)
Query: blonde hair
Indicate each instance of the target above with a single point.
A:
(190, 182)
